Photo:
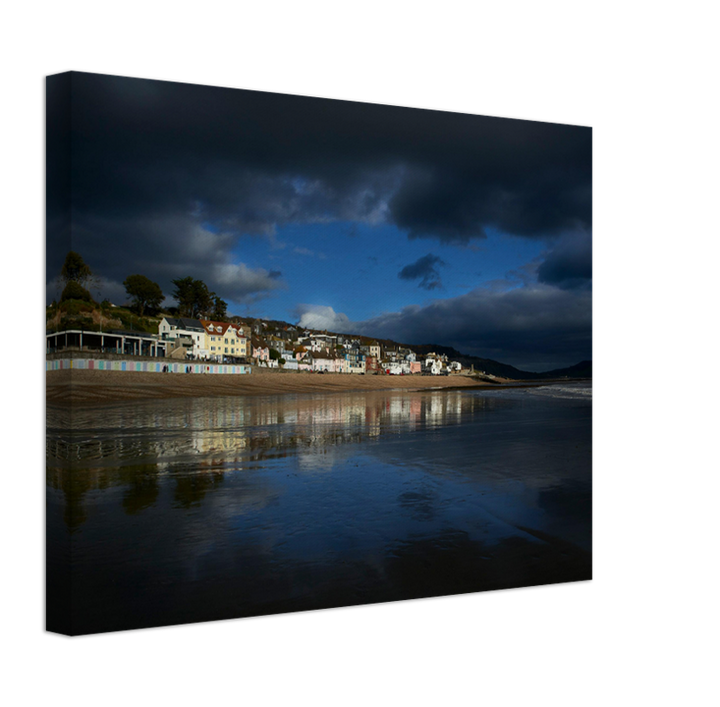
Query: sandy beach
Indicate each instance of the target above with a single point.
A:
(108, 386)
(199, 508)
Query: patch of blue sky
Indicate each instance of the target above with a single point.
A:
(348, 266)
(354, 267)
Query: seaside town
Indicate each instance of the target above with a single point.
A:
(83, 334)
(291, 348)
(202, 341)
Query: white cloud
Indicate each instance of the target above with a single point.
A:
(315, 316)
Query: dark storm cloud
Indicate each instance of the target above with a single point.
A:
(57, 165)
(569, 264)
(166, 177)
(152, 162)
(523, 178)
(533, 327)
(425, 270)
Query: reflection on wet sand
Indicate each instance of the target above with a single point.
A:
(191, 509)
(224, 425)
(222, 434)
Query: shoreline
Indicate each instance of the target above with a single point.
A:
(89, 386)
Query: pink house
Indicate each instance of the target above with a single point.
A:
(326, 361)
(260, 350)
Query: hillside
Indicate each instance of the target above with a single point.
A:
(504, 370)
(495, 368)
(90, 316)
(93, 317)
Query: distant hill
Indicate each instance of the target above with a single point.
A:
(504, 370)
(495, 368)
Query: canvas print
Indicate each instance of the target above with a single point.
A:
(305, 353)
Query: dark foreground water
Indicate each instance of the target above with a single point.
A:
(191, 510)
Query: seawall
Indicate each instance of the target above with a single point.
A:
(136, 365)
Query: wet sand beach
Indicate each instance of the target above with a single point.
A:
(108, 386)
(175, 497)
(203, 508)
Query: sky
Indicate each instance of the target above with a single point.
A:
(425, 227)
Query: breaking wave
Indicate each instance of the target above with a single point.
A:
(567, 392)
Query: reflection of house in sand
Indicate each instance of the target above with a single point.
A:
(334, 419)
(170, 430)
(133, 445)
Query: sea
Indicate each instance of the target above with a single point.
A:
(176, 511)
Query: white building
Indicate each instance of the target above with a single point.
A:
(433, 365)
(397, 368)
(319, 342)
(184, 331)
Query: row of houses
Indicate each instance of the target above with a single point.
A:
(291, 348)
(341, 353)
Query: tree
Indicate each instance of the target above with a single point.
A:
(219, 308)
(74, 290)
(185, 295)
(203, 300)
(144, 292)
(75, 269)
(195, 299)
(76, 273)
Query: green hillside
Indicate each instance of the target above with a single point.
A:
(90, 316)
